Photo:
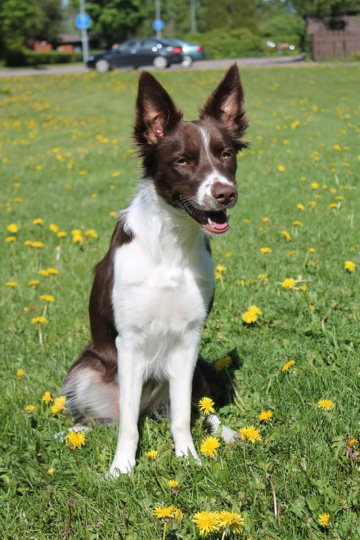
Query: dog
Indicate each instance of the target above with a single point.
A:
(154, 288)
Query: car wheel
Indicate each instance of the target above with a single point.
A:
(160, 62)
(187, 62)
(102, 66)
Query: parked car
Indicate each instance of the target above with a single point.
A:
(191, 52)
(135, 53)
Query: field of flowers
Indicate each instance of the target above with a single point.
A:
(284, 330)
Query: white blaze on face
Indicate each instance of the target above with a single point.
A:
(204, 196)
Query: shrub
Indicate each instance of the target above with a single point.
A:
(24, 57)
(226, 44)
(292, 39)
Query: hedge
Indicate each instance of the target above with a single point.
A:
(24, 57)
(226, 44)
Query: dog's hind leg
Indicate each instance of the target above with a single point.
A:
(91, 387)
(204, 376)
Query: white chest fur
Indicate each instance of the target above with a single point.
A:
(163, 279)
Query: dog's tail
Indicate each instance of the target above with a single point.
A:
(91, 386)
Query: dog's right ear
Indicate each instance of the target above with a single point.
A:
(156, 113)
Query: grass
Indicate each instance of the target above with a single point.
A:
(65, 158)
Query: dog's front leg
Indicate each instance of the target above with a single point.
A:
(130, 375)
(181, 371)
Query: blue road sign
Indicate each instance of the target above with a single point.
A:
(83, 21)
(158, 24)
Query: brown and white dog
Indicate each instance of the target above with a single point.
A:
(154, 288)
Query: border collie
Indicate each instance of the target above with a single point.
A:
(154, 288)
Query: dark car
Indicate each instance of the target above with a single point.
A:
(135, 53)
(190, 51)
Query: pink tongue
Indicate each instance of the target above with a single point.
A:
(219, 226)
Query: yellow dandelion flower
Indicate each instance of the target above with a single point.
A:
(12, 228)
(289, 283)
(263, 278)
(11, 284)
(209, 446)
(313, 204)
(82, 173)
(152, 454)
(223, 363)
(350, 266)
(220, 268)
(311, 250)
(314, 185)
(265, 250)
(228, 254)
(92, 233)
(286, 235)
(292, 252)
(93, 195)
(254, 309)
(52, 271)
(173, 483)
(59, 405)
(326, 404)
(178, 514)
(303, 287)
(113, 213)
(47, 398)
(265, 219)
(265, 416)
(28, 243)
(245, 220)
(61, 234)
(38, 245)
(75, 439)
(76, 232)
(30, 408)
(300, 207)
(44, 273)
(206, 405)
(47, 298)
(20, 373)
(297, 223)
(281, 168)
(333, 206)
(38, 221)
(252, 434)
(351, 442)
(287, 366)
(10, 239)
(324, 519)
(218, 275)
(39, 320)
(53, 227)
(162, 512)
(235, 522)
(115, 174)
(33, 283)
(77, 238)
(249, 317)
(51, 471)
(206, 522)
(337, 147)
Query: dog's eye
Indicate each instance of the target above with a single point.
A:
(226, 155)
(183, 161)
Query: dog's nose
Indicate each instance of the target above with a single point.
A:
(223, 193)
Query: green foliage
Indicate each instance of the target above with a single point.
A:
(24, 57)
(227, 44)
(116, 20)
(19, 21)
(283, 24)
(243, 15)
(291, 39)
(216, 15)
(51, 16)
(320, 8)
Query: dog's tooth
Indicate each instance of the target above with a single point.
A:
(209, 222)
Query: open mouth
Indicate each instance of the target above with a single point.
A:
(212, 222)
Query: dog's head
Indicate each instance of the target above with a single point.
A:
(193, 164)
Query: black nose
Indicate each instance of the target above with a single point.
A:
(223, 193)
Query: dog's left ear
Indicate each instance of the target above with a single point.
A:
(226, 104)
(156, 113)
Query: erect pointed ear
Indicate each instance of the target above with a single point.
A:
(156, 113)
(226, 103)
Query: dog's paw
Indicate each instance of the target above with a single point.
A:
(121, 465)
(228, 435)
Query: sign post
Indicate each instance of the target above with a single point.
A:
(158, 24)
(83, 22)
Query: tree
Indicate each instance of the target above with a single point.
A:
(243, 15)
(116, 20)
(19, 21)
(51, 17)
(216, 16)
(319, 8)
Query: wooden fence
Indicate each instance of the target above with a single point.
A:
(335, 44)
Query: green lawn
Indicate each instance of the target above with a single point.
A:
(66, 159)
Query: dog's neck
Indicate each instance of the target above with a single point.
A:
(161, 229)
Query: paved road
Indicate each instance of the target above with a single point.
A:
(203, 64)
